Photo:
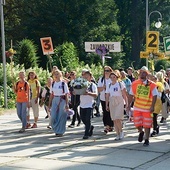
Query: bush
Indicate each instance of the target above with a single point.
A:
(26, 53)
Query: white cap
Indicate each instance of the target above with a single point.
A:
(144, 68)
(85, 70)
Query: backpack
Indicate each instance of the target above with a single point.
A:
(90, 87)
(47, 96)
(102, 79)
(25, 85)
(163, 97)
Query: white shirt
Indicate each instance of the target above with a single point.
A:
(44, 92)
(166, 86)
(57, 88)
(86, 101)
(115, 89)
(101, 84)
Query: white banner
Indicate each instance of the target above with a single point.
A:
(111, 46)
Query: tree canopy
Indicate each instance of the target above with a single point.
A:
(78, 21)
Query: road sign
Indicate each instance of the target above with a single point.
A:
(167, 45)
(152, 41)
(47, 45)
(144, 54)
(111, 46)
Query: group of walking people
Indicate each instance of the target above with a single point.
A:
(119, 93)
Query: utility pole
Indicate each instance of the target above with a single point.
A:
(3, 52)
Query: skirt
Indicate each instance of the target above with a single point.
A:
(116, 106)
(58, 115)
(158, 106)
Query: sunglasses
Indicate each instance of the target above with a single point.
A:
(71, 74)
(107, 70)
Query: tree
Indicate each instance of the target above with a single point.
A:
(66, 56)
(27, 53)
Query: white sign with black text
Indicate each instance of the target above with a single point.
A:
(111, 46)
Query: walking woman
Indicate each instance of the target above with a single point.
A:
(45, 99)
(115, 97)
(34, 98)
(23, 92)
(75, 102)
(158, 104)
(58, 103)
(103, 82)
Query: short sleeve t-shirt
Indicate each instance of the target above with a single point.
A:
(33, 85)
(86, 101)
(101, 84)
(57, 88)
(115, 89)
(22, 92)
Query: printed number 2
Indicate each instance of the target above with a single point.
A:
(154, 37)
(47, 45)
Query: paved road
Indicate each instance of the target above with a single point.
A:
(40, 149)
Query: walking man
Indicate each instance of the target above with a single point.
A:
(86, 106)
(145, 94)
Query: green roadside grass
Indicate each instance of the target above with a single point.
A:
(1, 111)
(4, 111)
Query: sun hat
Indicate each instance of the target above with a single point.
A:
(115, 73)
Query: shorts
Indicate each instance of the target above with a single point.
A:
(143, 119)
(35, 108)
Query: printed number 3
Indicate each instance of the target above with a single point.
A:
(154, 37)
(47, 45)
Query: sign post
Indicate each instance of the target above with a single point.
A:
(111, 46)
(47, 48)
(167, 45)
(102, 48)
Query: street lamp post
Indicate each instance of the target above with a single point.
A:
(157, 24)
(3, 52)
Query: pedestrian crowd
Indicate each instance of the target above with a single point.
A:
(121, 94)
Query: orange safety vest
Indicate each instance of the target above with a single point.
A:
(143, 94)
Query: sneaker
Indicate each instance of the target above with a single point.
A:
(153, 134)
(140, 138)
(97, 114)
(22, 130)
(117, 137)
(85, 137)
(146, 143)
(91, 130)
(157, 130)
(58, 135)
(106, 130)
(34, 125)
(46, 117)
(121, 135)
(162, 120)
(71, 126)
(78, 124)
(49, 127)
(28, 126)
(110, 129)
